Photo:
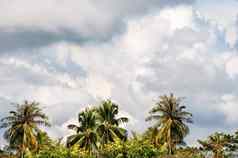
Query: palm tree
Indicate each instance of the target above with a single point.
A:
(171, 119)
(108, 128)
(22, 126)
(218, 143)
(85, 136)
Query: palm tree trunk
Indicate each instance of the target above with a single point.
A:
(22, 154)
(169, 137)
(218, 155)
(170, 152)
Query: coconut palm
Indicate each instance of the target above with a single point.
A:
(108, 128)
(218, 144)
(23, 126)
(85, 136)
(171, 119)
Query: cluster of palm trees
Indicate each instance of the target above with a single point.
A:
(100, 125)
(97, 127)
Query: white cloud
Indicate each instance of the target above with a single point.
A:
(232, 34)
(224, 14)
(231, 66)
(171, 50)
(98, 87)
(229, 106)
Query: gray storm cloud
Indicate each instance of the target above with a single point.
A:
(30, 24)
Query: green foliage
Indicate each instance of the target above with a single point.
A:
(56, 150)
(141, 149)
(189, 152)
(135, 148)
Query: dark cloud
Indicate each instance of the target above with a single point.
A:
(21, 40)
(210, 119)
(138, 7)
(94, 29)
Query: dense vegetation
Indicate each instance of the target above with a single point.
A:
(99, 134)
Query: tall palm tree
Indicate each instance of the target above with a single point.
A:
(109, 123)
(85, 136)
(171, 119)
(218, 144)
(22, 126)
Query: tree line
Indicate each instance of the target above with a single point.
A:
(99, 134)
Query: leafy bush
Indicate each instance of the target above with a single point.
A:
(129, 149)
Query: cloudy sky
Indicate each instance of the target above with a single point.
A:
(70, 54)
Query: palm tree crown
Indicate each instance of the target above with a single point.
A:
(85, 135)
(109, 123)
(22, 126)
(171, 120)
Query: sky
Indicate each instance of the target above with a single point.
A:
(71, 54)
